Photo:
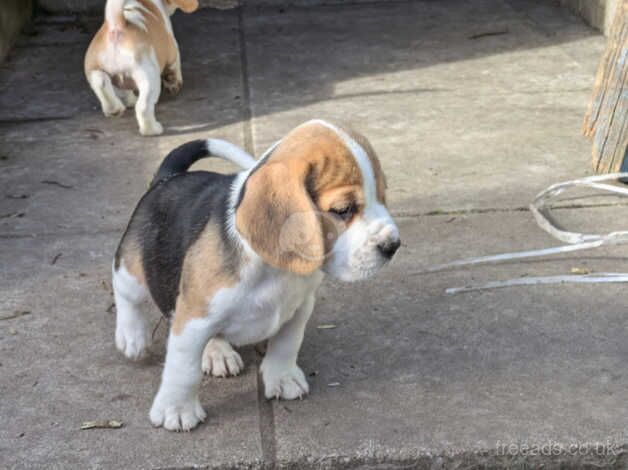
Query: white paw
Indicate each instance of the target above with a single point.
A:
(287, 384)
(133, 339)
(221, 360)
(129, 100)
(151, 128)
(116, 109)
(177, 416)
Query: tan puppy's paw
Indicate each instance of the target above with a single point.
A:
(173, 87)
(220, 359)
(114, 110)
(286, 384)
(128, 98)
(151, 128)
(171, 80)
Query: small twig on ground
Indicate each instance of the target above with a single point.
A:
(489, 33)
(156, 326)
(109, 424)
(56, 258)
(17, 196)
(106, 286)
(16, 314)
(56, 183)
(11, 215)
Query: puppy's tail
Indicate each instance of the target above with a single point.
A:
(120, 12)
(114, 14)
(182, 158)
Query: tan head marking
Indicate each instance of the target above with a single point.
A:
(186, 6)
(283, 213)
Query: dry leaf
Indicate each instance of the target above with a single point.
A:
(111, 424)
(580, 270)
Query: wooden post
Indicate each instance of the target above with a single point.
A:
(607, 117)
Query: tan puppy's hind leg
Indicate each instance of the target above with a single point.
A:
(103, 88)
(172, 78)
(127, 97)
(147, 79)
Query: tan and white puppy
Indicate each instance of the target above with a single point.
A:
(237, 259)
(134, 51)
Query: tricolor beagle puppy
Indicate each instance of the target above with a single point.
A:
(135, 50)
(237, 259)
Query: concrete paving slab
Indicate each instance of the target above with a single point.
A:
(411, 375)
(468, 115)
(59, 368)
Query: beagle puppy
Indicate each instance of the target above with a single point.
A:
(237, 259)
(135, 51)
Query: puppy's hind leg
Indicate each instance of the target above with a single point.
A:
(172, 78)
(133, 335)
(220, 359)
(148, 81)
(128, 97)
(103, 88)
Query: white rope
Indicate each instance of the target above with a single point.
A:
(575, 241)
(533, 281)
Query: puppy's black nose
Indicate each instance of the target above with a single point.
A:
(389, 248)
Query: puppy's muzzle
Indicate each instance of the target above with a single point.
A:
(388, 248)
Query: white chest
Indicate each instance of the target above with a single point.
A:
(255, 310)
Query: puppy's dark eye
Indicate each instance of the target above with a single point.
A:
(345, 212)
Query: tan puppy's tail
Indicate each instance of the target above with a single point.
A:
(114, 14)
(119, 13)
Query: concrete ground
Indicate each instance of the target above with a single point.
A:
(473, 106)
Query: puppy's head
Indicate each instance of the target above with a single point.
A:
(318, 202)
(187, 6)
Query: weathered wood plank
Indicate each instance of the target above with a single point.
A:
(607, 116)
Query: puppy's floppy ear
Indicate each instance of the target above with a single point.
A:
(277, 217)
(187, 6)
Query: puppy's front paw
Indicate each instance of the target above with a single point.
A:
(221, 360)
(177, 416)
(151, 128)
(133, 340)
(287, 384)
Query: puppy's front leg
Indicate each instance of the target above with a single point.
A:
(283, 378)
(176, 406)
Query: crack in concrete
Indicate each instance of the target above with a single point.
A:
(265, 408)
(400, 214)
(247, 113)
(29, 120)
(497, 210)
